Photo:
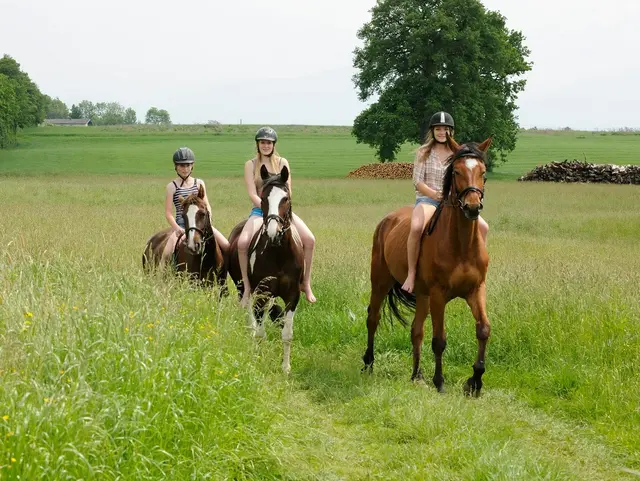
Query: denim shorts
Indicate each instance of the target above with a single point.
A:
(423, 199)
(256, 211)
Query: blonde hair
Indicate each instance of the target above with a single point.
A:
(422, 153)
(274, 160)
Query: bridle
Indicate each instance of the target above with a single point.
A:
(206, 234)
(459, 201)
(285, 224)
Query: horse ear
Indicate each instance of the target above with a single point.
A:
(284, 174)
(264, 173)
(201, 191)
(455, 146)
(484, 146)
(180, 199)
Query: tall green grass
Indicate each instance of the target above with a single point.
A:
(108, 373)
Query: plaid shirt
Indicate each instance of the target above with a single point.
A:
(429, 172)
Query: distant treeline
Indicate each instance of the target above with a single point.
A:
(23, 105)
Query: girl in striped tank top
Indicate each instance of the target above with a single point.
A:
(183, 186)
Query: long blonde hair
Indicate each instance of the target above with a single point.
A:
(422, 153)
(274, 160)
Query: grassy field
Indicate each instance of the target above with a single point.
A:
(314, 152)
(107, 373)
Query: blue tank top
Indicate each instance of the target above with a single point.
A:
(184, 192)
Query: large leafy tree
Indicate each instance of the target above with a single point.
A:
(157, 116)
(130, 116)
(21, 102)
(56, 108)
(32, 104)
(422, 56)
(76, 112)
(9, 109)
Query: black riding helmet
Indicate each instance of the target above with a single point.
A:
(266, 133)
(184, 155)
(441, 118)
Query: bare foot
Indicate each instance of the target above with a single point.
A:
(308, 293)
(408, 284)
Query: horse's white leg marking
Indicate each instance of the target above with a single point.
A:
(275, 196)
(261, 332)
(191, 215)
(287, 336)
(252, 324)
(252, 261)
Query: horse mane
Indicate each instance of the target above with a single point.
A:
(469, 149)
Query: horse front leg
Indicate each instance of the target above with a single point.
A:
(287, 329)
(257, 314)
(417, 334)
(439, 336)
(477, 301)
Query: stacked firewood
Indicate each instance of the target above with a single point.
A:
(388, 170)
(577, 171)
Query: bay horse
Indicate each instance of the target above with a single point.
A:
(452, 263)
(199, 255)
(276, 260)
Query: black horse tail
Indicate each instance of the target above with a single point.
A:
(397, 297)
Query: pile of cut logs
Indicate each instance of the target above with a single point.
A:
(388, 170)
(577, 171)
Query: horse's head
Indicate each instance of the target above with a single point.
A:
(197, 223)
(276, 204)
(465, 177)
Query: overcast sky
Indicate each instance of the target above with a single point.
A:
(290, 61)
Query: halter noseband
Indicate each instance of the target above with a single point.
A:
(285, 224)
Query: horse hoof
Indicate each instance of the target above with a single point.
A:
(367, 367)
(470, 389)
(286, 369)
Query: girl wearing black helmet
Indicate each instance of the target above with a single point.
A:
(183, 186)
(428, 172)
(266, 155)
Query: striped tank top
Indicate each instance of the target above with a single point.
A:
(184, 192)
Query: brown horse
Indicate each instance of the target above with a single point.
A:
(453, 263)
(198, 254)
(276, 260)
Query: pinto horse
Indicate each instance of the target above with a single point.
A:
(199, 254)
(276, 260)
(452, 263)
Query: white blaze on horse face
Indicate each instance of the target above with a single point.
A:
(471, 163)
(275, 196)
(191, 216)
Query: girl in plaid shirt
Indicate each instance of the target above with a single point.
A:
(428, 172)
